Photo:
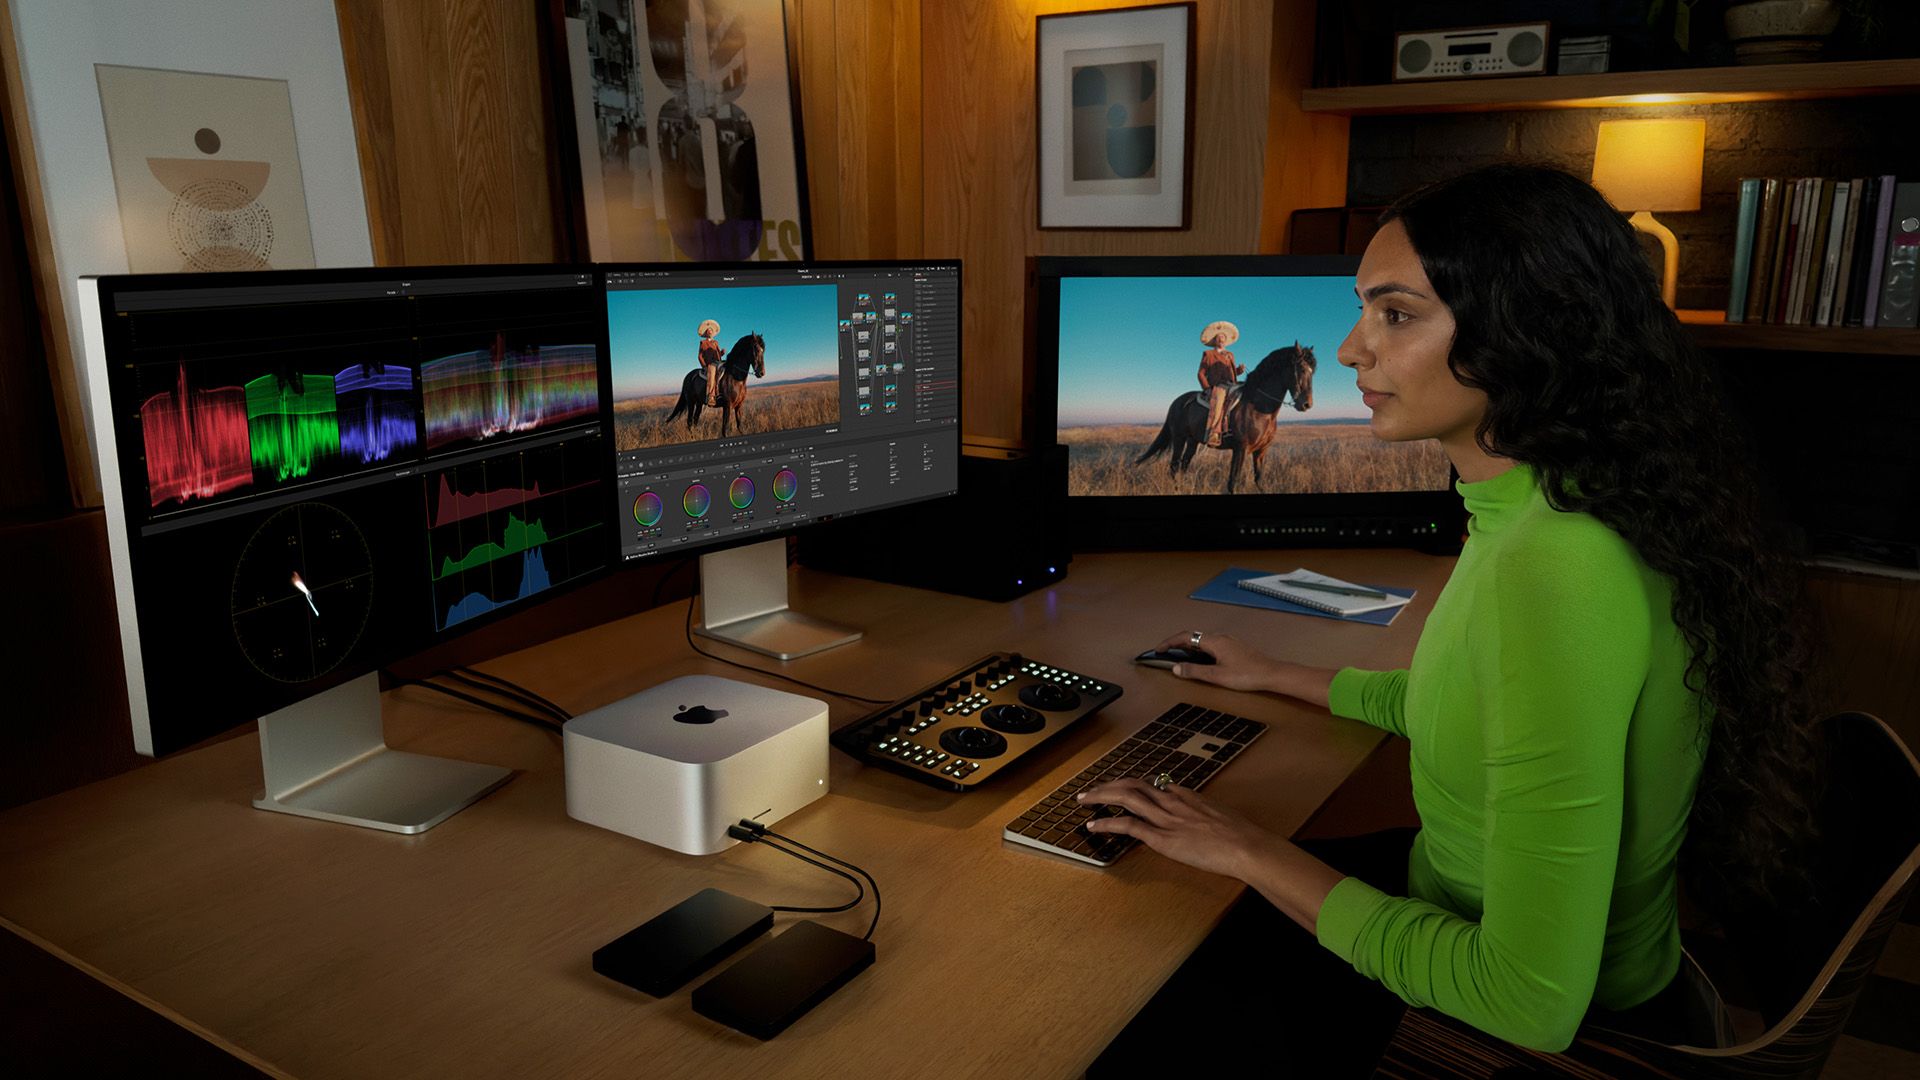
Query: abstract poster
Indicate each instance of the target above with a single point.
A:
(206, 170)
(1114, 113)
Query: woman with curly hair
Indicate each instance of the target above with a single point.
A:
(1609, 695)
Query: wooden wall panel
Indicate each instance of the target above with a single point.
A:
(859, 73)
(1306, 153)
(979, 166)
(453, 121)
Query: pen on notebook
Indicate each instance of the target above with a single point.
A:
(1370, 594)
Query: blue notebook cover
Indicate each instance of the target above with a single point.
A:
(1225, 589)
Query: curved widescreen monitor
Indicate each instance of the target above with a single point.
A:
(1122, 349)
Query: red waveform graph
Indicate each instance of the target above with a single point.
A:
(196, 442)
(451, 506)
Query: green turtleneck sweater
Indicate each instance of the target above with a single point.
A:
(1555, 752)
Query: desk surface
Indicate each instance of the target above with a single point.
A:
(325, 950)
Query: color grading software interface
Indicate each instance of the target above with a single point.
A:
(835, 390)
(327, 475)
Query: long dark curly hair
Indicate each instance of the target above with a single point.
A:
(1591, 381)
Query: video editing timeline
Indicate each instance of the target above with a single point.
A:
(836, 385)
(323, 472)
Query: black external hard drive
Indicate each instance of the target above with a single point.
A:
(780, 981)
(660, 955)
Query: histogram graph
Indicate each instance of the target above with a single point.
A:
(514, 525)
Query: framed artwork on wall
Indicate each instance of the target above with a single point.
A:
(1114, 110)
(680, 130)
(189, 136)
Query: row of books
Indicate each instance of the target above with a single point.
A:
(1823, 252)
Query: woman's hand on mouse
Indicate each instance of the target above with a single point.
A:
(1236, 665)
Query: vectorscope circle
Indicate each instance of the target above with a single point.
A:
(696, 500)
(647, 509)
(740, 492)
(785, 485)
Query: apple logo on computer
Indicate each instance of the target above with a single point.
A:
(699, 714)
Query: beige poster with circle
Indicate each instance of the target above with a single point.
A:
(206, 170)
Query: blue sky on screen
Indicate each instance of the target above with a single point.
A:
(1128, 346)
(652, 332)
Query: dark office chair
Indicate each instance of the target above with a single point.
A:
(1801, 979)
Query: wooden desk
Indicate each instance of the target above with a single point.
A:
(325, 950)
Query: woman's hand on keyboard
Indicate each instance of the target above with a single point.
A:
(1180, 824)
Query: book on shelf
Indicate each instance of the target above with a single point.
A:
(1876, 261)
(1766, 228)
(1837, 311)
(1777, 275)
(1830, 253)
(1900, 280)
(1743, 228)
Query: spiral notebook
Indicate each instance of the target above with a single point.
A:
(1299, 587)
(1229, 587)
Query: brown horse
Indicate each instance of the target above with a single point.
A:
(749, 353)
(1250, 414)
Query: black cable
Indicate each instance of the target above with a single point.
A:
(508, 688)
(739, 833)
(528, 718)
(660, 583)
(766, 832)
(775, 674)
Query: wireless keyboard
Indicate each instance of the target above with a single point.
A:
(1187, 742)
(961, 731)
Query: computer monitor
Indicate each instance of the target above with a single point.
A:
(311, 474)
(838, 390)
(1118, 356)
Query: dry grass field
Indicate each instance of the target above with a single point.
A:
(1303, 457)
(642, 422)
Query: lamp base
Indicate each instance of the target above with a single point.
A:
(1670, 248)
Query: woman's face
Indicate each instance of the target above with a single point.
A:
(1398, 350)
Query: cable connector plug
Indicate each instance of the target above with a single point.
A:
(742, 833)
(750, 825)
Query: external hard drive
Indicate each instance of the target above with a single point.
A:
(660, 955)
(780, 981)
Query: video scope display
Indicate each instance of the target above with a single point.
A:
(746, 400)
(1139, 360)
(323, 472)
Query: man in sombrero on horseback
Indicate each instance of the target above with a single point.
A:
(1218, 373)
(710, 356)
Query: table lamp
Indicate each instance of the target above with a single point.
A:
(1647, 165)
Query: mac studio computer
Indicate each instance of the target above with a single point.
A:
(1118, 344)
(839, 394)
(309, 475)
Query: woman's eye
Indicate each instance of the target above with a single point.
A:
(1394, 316)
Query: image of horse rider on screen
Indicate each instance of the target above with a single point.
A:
(1218, 374)
(710, 356)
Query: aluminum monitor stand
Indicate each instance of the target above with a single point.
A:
(743, 601)
(327, 757)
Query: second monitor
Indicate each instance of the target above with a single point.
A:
(753, 398)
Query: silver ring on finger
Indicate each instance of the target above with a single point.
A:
(1193, 639)
(1161, 782)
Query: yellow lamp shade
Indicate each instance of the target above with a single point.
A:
(1650, 164)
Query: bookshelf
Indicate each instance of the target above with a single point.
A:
(1682, 86)
(1710, 330)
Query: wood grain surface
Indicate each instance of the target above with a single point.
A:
(326, 950)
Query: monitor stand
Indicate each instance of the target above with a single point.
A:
(743, 601)
(327, 757)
